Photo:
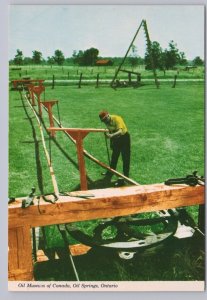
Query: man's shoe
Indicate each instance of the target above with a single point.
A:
(107, 174)
(119, 182)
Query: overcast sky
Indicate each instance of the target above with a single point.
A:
(109, 28)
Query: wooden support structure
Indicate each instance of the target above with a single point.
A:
(78, 134)
(38, 89)
(111, 202)
(31, 94)
(21, 82)
(49, 105)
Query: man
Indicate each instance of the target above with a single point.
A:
(119, 141)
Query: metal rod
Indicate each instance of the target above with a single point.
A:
(107, 149)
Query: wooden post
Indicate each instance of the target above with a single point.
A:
(38, 91)
(20, 253)
(49, 105)
(31, 94)
(68, 75)
(78, 134)
(174, 81)
(129, 78)
(53, 81)
(79, 84)
(97, 80)
(138, 79)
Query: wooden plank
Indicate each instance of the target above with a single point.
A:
(109, 202)
(77, 129)
(130, 72)
(12, 254)
(75, 250)
(20, 254)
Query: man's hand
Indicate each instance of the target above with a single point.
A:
(109, 135)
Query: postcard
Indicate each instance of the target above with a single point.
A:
(106, 148)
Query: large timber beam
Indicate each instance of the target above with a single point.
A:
(105, 203)
(109, 202)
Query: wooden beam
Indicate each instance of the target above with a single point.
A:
(20, 253)
(106, 203)
(130, 72)
(77, 129)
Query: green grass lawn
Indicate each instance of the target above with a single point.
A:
(73, 72)
(167, 135)
(166, 127)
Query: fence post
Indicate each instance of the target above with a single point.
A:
(174, 81)
(97, 80)
(53, 81)
(129, 78)
(138, 79)
(79, 84)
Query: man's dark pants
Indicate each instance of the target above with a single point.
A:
(121, 145)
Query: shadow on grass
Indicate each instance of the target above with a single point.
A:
(37, 150)
(174, 260)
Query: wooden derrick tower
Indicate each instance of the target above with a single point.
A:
(149, 48)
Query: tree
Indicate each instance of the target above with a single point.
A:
(89, 57)
(183, 61)
(171, 56)
(37, 57)
(156, 55)
(28, 61)
(133, 58)
(18, 59)
(77, 57)
(198, 61)
(50, 61)
(59, 57)
(85, 58)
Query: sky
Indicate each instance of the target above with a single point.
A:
(109, 28)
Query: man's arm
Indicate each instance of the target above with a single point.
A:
(115, 134)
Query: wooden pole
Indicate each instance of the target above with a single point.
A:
(79, 84)
(129, 78)
(20, 253)
(53, 81)
(97, 80)
(174, 83)
(122, 62)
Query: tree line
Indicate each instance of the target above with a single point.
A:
(162, 59)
